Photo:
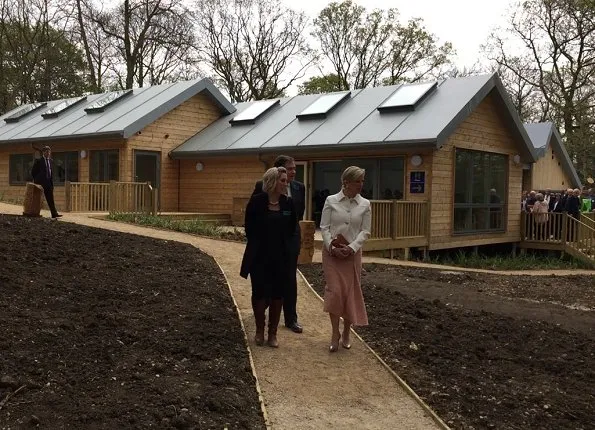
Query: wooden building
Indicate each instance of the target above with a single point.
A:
(444, 160)
(553, 169)
(122, 136)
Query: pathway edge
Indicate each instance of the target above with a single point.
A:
(263, 408)
(399, 380)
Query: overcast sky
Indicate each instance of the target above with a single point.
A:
(465, 23)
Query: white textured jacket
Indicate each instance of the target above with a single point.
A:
(350, 217)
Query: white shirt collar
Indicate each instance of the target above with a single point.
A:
(342, 196)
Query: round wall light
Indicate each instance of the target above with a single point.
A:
(416, 160)
(83, 154)
(516, 159)
(199, 167)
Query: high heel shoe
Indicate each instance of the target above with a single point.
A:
(345, 345)
(334, 345)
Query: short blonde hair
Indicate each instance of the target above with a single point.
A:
(351, 174)
(270, 178)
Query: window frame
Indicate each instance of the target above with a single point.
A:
(67, 155)
(469, 191)
(11, 162)
(106, 170)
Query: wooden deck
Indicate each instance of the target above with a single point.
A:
(560, 232)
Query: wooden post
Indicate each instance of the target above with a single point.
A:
(564, 228)
(67, 196)
(154, 201)
(32, 201)
(112, 196)
(393, 215)
(514, 248)
(523, 225)
(307, 241)
(406, 254)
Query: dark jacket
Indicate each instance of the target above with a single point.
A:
(255, 227)
(40, 173)
(298, 196)
(573, 206)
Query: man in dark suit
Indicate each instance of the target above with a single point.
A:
(297, 191)
(42, 175)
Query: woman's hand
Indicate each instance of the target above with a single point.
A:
(342, 251)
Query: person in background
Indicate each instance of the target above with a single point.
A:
(270, 226)
(540, 210)
(42, 175)
(297, 191)
(586, 203)
(530, 201)
(345, 225)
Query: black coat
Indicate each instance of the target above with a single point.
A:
(40, 173)
(573, 206)
(298, 196)
(255, 226)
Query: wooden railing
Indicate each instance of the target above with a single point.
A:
(560, 231)
(129, 197)
(394, 219)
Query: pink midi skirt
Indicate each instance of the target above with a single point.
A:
(343, 292)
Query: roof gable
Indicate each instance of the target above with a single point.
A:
(545, 134)
(122, 119)
(358, 122)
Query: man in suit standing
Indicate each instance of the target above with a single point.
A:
(42, 175)
(297, 191)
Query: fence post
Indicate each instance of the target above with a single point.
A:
(154, 195)
(523, 225)
(113, 196)
(67, 195)
(564, 227)
(393, 218)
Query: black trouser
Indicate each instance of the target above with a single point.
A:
(48, 192)
(290, 298)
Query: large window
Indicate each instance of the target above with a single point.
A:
(20, 168)
(66, 167)
(480, 191)
(104, 166)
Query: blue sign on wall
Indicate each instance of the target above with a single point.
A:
(417, 182)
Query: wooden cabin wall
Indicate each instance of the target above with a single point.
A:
(214, 188)
(17, 192)
(483, 130)
(165, 134)
(547, 172)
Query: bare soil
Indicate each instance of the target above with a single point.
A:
(100, 329)
(485, 351)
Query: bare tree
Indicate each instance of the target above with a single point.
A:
(374, 48)
(557, 57)
(256, 49)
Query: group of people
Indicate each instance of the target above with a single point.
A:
(571, 201)
(273, 245)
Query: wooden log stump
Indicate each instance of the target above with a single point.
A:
(307, 242)
(32, 202)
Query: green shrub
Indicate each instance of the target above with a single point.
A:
(192, 226)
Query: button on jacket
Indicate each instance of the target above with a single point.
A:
(350, 217)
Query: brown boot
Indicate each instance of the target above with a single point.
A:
(259, 308)
(274, 317)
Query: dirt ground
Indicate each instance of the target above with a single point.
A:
(486, 351)
(106, 330)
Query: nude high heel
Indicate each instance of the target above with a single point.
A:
(335, 344)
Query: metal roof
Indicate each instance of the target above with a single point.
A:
(543, 134)
(122, 119)
(357, 122)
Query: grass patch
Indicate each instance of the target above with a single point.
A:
(197, 227)
(530, 261)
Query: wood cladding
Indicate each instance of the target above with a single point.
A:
(483, 130)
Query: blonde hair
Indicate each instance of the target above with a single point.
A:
(270, 178)
(351, 174)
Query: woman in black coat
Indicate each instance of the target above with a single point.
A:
(270, 224)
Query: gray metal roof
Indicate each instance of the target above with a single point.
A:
(357, 122)
(123, 119)
(543, 134)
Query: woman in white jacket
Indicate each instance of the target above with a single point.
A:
(345, 225)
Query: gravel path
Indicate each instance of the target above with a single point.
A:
(303, 386)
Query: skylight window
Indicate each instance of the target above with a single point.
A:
(62, 106)
(104, 102)
(25, 110)
(253, 112)
(407, 97)
(323, 105)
